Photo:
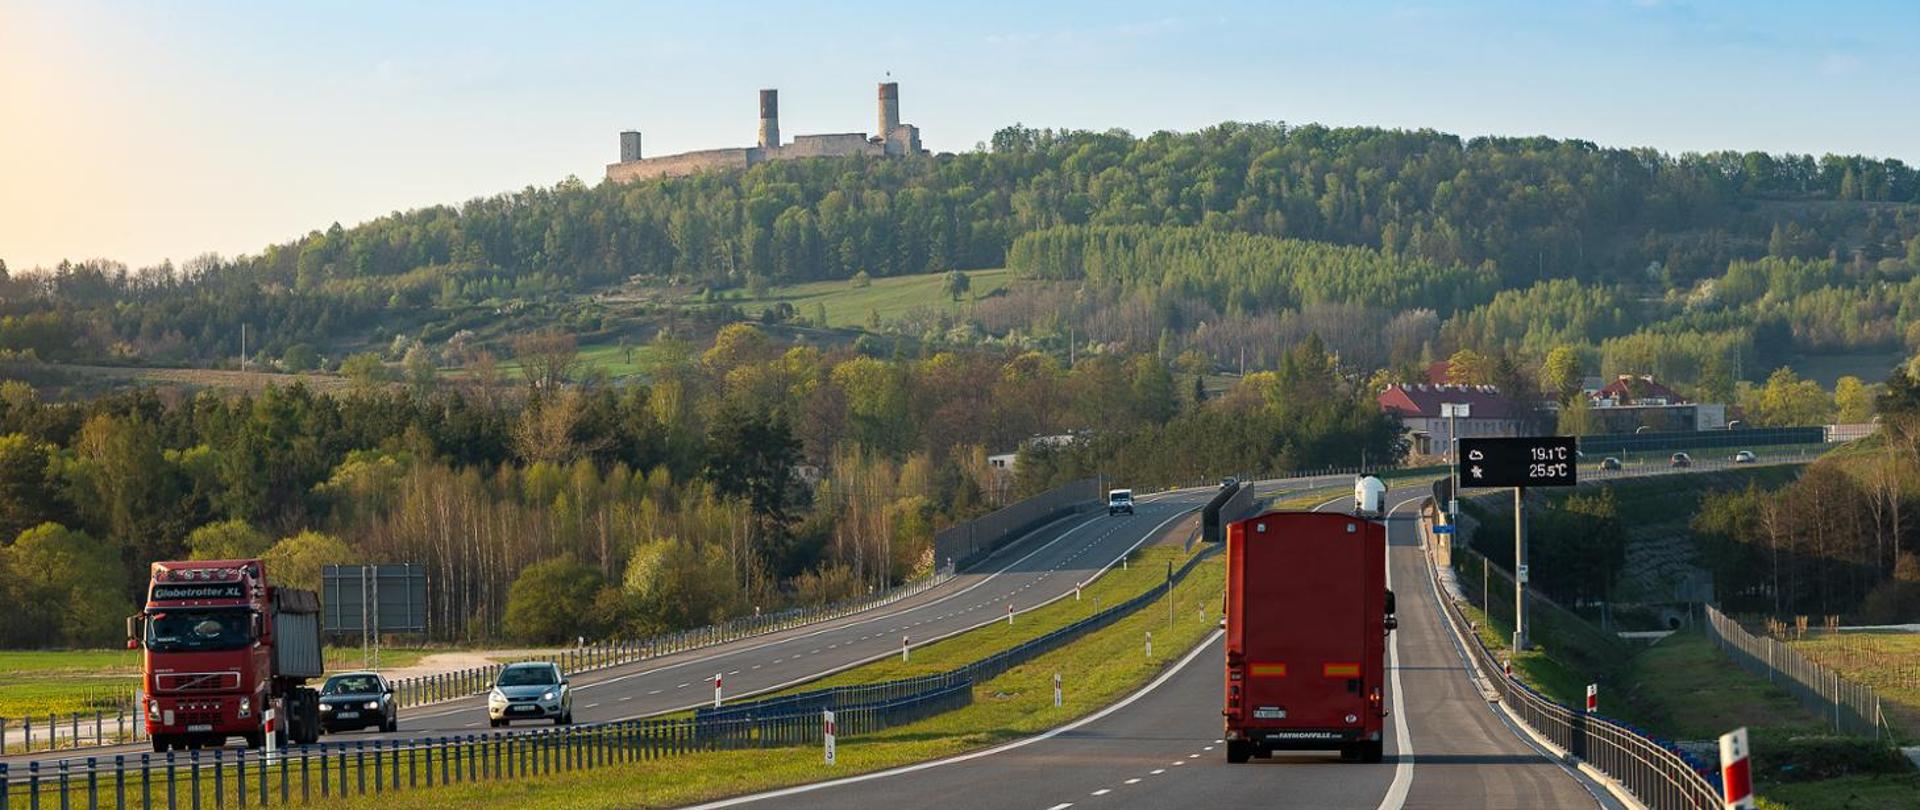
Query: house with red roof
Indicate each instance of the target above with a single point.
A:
(1419, 406)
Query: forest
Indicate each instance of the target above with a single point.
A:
(749, 475)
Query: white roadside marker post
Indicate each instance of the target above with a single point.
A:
(826, 725)
(1056, 690)
(903, 649)
(1736, 778)
(716, 689)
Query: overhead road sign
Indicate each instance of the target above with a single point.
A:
(1530, 461)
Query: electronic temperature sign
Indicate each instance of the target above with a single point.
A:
(1531, 461)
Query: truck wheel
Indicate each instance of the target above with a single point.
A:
(1238, 751)
(161, 743)
(1371, 751)
(256, 739)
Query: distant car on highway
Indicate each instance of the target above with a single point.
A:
(1744, 457)
(1229, 482)
(1681, 460)
(1118, 501)
(356, 700)
(530, 690)
(1609, 463)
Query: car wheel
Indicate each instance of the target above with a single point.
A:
(1239, 752)
(496, 723)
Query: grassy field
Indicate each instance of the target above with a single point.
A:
(1096, 671)
(1888, 662)
(890, 297)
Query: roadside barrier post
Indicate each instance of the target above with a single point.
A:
(826, 726)
(1736, 779)
(1009, 614)
(273, 739)
(716, 690)
(1056, 690)
(903, 649)
(1149, 643)
(1593, 698)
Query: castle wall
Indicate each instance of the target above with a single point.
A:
(682, 164)
(834, 145)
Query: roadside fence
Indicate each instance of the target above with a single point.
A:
(339, 770)
(1655, 771)
(1848, 707)
(51, 731)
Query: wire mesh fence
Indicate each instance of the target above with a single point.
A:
(1848, 707)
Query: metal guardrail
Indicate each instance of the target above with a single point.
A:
(984, 669)
(331, 771)
(1849, 707)
(1656, 772)
(77, 729)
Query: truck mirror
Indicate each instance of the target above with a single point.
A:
(257, 626)
(1392, 623)
(136, 629)
(1390, 606)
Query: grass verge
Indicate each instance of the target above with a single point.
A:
(1887, 662)
(66, 681)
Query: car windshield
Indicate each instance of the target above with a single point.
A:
(526, 676)
(199, 630)
(351, 685)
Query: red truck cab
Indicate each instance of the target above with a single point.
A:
(1308, 611)
(221, 646)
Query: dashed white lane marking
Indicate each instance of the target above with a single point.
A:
(654, 692)
(1061, 806)
(1156, 771)
(593, 705)
(472, 725)
(1133, 781)
(733, 672)
(683, 686)
(1103, 791)
(1179, 763)
(1193, 756)
(756, 666)
(625, 698)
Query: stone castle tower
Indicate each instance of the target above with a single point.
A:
(894, 139)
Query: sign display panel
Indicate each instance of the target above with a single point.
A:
(1529, 461)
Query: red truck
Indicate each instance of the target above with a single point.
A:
(221, 647)
(1308, 612)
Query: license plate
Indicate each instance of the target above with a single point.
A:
(1269, 714)
(201, 727)
(526, 708)
(348, 715)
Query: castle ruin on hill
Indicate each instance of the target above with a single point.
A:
(894, 139)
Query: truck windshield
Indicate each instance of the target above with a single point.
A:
(198, 630)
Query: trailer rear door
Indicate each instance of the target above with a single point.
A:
(1305, 612)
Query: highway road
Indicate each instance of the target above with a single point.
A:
(1031, 572)
(1447, 747)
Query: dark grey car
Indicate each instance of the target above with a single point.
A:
(356, 700)
(533, 690)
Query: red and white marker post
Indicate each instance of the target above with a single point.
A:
(1009, 614)
(270, 721)
(826, 725)
(1736, 778)
(1507, 667)
(1593, 698)
(716, 689)
(903, 649)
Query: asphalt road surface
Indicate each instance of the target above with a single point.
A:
(1446, 746)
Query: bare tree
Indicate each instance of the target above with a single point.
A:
(546, 357)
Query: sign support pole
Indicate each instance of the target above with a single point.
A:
(1519, 569)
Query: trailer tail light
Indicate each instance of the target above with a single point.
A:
(1340, 670)
(1379, 705)
(1270, 669)
(1233, 697)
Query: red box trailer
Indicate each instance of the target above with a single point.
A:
(1308, 611)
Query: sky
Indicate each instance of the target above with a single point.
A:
(165, 130)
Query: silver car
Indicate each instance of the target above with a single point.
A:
(531, 690)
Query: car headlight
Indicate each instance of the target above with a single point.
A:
(548, 695)
(326, 707)
(373, 704)
(246, 707)
(496, 696)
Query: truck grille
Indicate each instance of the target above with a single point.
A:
(198, 682)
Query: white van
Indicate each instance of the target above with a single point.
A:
(1120, 500)
(1369, 496)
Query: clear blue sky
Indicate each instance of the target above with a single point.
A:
(138, 131)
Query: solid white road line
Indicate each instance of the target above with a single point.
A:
(1396, 797)
(921, 766)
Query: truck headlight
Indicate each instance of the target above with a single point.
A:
(326, 708)
(153, 710)
(246, 707)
